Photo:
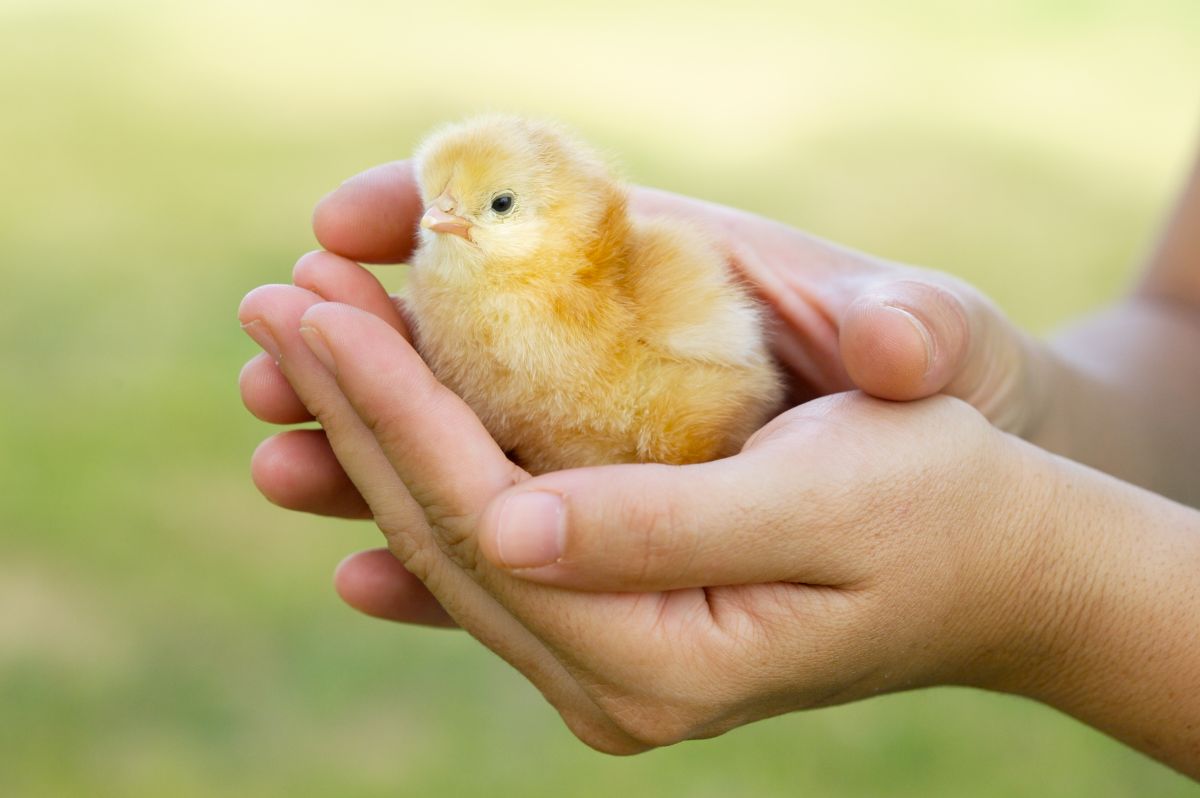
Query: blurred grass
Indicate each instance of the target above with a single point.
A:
(164, 631)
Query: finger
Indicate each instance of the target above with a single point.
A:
(753, 518)
(375, 583)
(337, 279)
(298, 470)
(435, 443)
(277, 311)
(271, 316)
(904, 340)
(373, 216)
(268, 395)
(265, 391)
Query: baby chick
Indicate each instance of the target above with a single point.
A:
(579, 334)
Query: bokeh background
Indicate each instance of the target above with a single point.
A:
(165, 631)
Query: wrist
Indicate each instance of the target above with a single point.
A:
(1022, 572)
(1049, 596)
(1099, 615)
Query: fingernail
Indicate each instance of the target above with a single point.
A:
(531, 530)
(922, 330)
(262, 336)
(318, 346)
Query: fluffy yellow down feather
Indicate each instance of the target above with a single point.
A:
(579, 334)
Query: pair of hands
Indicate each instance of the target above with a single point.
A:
(855, 546)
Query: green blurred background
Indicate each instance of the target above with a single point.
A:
(165, 631)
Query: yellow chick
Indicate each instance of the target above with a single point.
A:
(579, 335)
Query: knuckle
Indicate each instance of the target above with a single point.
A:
(324, 408)
(416, 559)
(609, 743)
(663, 539)
(597, 731)
(653, 722)
(455, 535)
(661, 702)
(386, 428)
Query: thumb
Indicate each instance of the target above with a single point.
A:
(904, 339)
(912, 338)
(654, 527)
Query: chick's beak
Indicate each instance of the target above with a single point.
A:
(439, 221)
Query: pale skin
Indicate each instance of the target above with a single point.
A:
(855, 546)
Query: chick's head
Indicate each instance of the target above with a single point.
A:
(502, 187)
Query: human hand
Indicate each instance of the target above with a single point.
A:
(840, 319)
(1127, 655)
(878, 546)
(1103, 631)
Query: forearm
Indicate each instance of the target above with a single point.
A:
(1124, 615)
(1121, 388)
(1122, 394)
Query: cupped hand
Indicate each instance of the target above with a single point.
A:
(840, 319)
(855, 546)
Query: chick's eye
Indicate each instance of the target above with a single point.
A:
(502, 203)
